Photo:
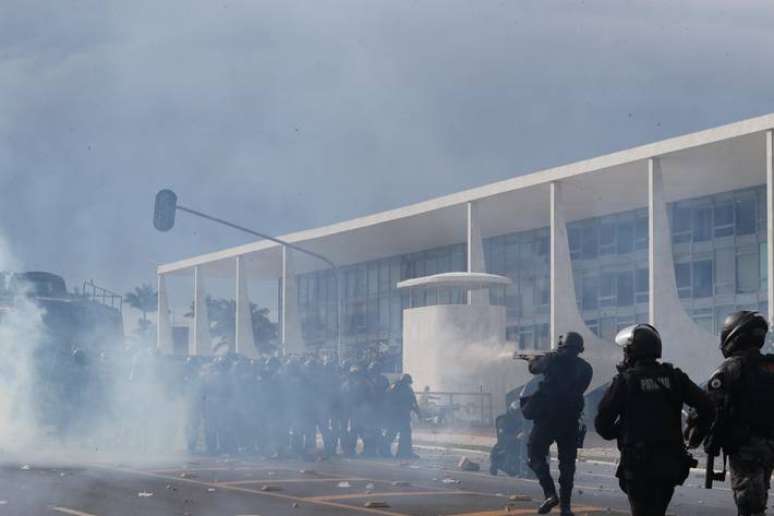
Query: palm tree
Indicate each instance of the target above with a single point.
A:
(145, 299)
(222, 316)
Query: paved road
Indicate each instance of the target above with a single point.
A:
(430, 486)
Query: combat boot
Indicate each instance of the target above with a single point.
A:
(548, 504)
(566, 511)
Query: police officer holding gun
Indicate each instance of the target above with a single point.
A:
(556, 408)
(742, 390)
(642, 409)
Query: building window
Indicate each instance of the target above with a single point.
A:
(702, 278)
(607, 236)
(702, 223)
(683, 277)
(704, 317)
(641, 231)
(590, 292)
(641, 286)
(607, 290)
(745, 215)
(625, 288)
(747, 273)
(681, 222)
(625, 235)
(723, 215)
(590, 241)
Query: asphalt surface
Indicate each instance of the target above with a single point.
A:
(432, 485)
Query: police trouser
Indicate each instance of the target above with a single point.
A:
(565, 434)
(648, 497)
(751, 467)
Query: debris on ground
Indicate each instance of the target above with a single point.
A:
(185, 474)
(25, 467)
(344, 484)
(450, 481)
(271, 489)
(519, 498)
(171, 487)
(295, 506)
(376, 505)
(401, 483)
(211, 490)
(370, 485)
(465, 464)
(308, 472)
(144, 494)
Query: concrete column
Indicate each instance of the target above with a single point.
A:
(565, 314)
(475, 248)
(553, 272)
(163, 327)
(685, 343)
(201, 342)
(290, 332)
(770, 220)
(244, 343)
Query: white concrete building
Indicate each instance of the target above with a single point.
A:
(676, 233)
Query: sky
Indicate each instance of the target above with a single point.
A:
(286, 115)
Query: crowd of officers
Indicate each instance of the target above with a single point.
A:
(279, 408)
(642, 409)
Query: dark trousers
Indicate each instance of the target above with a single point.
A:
(565, 434)
(648, 497)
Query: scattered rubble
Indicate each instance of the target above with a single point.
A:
(211, 490)
(519, 498)
(376, 505)
(295, 506)
(344, 484)
(370, 485)
(26, 467)
(271, 489)
(465, 464)
(144, 494)
(450, 481)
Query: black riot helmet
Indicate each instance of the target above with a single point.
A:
(571, 341)
(640, 341)
(742, 331)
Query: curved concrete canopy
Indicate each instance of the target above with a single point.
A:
(467, 280)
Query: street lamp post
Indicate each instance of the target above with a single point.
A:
(164, 212)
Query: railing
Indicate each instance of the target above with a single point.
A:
(455, 408)
(102, 295)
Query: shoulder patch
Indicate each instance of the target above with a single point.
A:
(718, 380)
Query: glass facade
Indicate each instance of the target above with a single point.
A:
(720, 265)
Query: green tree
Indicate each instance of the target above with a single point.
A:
(145, 299)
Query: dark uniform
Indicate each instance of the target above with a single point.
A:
(743, 392)
(642, 409)
(566, 377)
(402, 402)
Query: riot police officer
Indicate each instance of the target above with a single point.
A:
(742, 390)
(557, 407)
(642, 409)
(402, 402)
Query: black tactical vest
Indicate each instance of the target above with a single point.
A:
(755, 402)
(652, 416)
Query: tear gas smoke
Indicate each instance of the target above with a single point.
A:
(57, 401)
